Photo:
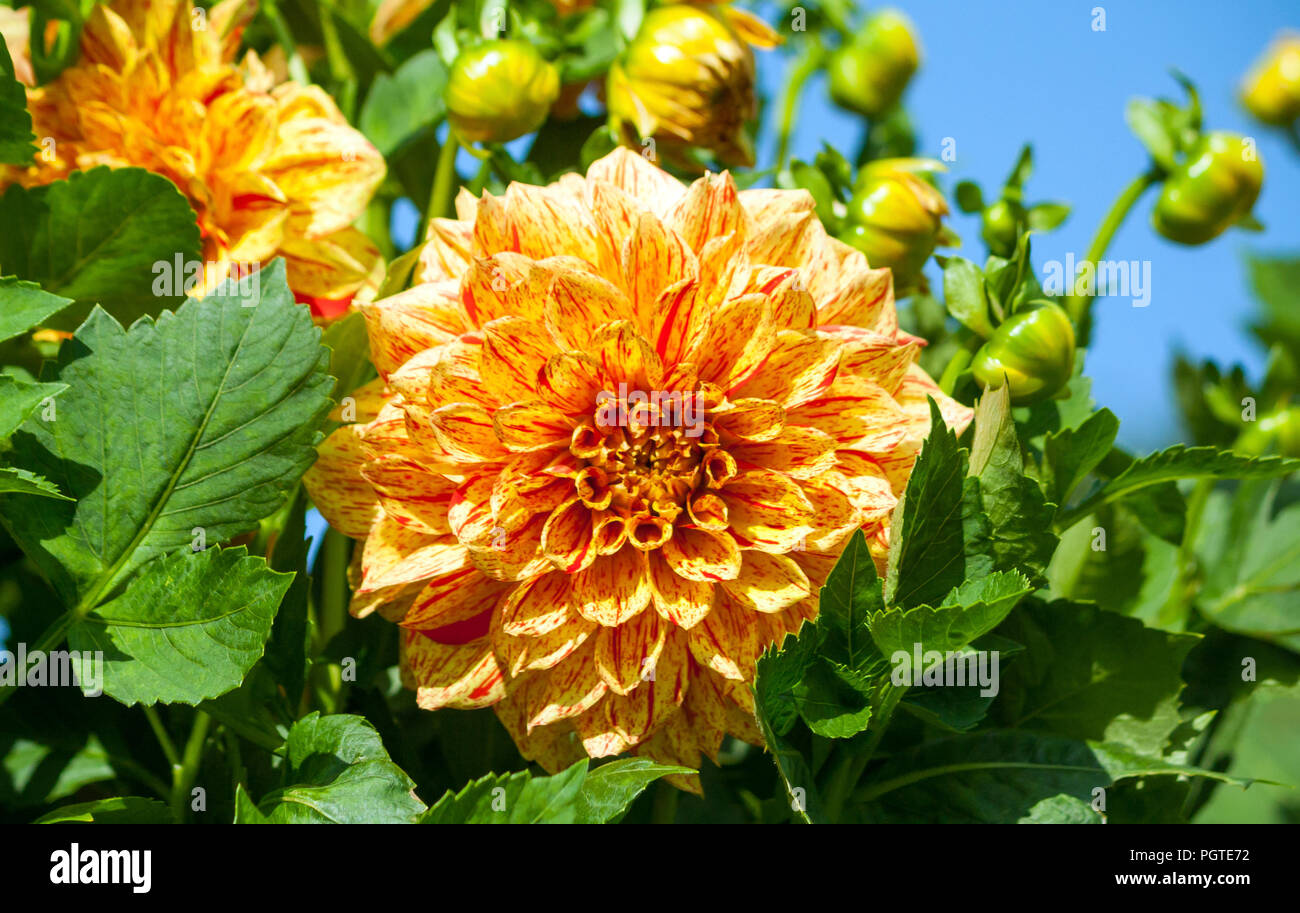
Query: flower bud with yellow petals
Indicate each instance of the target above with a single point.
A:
(500, 90)
(1271, 91)
(687, 80)
(896, 217)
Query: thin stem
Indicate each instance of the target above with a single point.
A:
(297, 69)
(1186, 569)
(803, 67)
(185, 773)
(1077, 305)
(664, 810)
(52, 637)
(960, 361)
(160, 733)
(444, 179)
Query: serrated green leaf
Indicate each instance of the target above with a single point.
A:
(1092, 674)
(21, 482)
(966, 295)
(935, 521)
(336, 771)
(610, 788)
(125, 221)
(1178, 462)
(19, 399)
(1007, 777)
(971, 610)
(776, 678)
(125, 810)
(16, 137)
(188, 627)
(1071, 453)
(516, 798)
(852, 592)
(1019, 517)
(24, 305)
(203, 420)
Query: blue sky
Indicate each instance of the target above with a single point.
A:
(997, 73)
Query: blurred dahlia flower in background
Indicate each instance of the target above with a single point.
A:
(271, 168)
(622, 429)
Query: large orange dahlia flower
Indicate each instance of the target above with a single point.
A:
(271, 170)
(622, 429)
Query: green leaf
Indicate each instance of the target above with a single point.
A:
(1092, 674)
(1254, 586)
(198, 423)
(19, 399)
(336, 771)
(851, 594)
(1007, 777)
(24, 305)
(349, 346)
(937, 516)
(188, 627)
(969, 197)
(108, 235)
(966, 295)
(610, 788)
(1019, 517)
(1152, 123)
(400, 106)
(959, 708)
(21, 482)
(1178, 462)
(15, 122)
(971, 610)
(777, 676)
(516, 798)
(125, 810)
(1275, 281)
(1047, 216)
(1071, 453)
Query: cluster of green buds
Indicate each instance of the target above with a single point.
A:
(895, 217)
(869, 72)
(1271, 91)
(500, 89)
(1004, 220)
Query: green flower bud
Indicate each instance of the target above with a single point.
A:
(1280, 427)
(896, 217)
(500, 90)
(1032, 350)
(1216, 186)
(870, 72)
(999, 228)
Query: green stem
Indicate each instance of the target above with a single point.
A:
(960, 361)
(1078, 305)
(160, 733)
(851, 766)
(1179, 592)
(297, 69)
(664, 810)
(51, 638)
(444, 180)
(185, 773)
(803, 67)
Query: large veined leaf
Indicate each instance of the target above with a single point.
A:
(1071, 453)
(1007, 777)
(573, 796)
(198, 424)
(111, 236)
(15, 122)
(1092, 674)
(402, 105)
(336, 771)
(24, 305)
(188, 627)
